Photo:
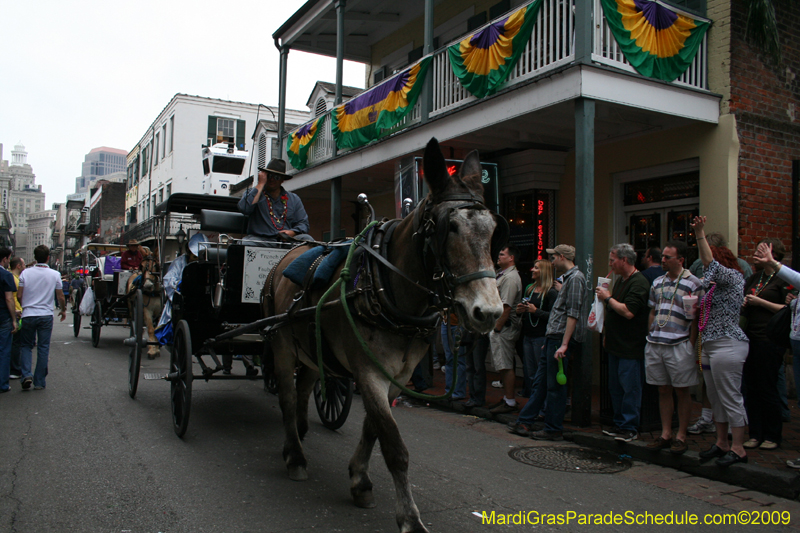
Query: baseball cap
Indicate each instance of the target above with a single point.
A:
(563, 249)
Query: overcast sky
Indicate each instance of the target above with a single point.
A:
(82, 74)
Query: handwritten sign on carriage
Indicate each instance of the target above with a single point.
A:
(257, 264)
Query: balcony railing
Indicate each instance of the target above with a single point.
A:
(552, 44)
(151, 227)
(607, 51)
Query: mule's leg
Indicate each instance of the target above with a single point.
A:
(360, 483)
(305, 383)
(395, 453)
(152, 351)
(287, 398)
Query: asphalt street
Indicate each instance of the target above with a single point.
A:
(83, 456)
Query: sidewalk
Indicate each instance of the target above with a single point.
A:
(766, 471)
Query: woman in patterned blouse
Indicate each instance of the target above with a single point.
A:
(725, 346)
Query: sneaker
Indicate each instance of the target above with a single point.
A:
(520, 428)
(504, 408)
(38, 388)
(14, 376)
(547, 435)
(251, 372)
(613, 431)
(437, 365)
(473, 403)
(626, 436)
(793, 463)
(26, 383)
(701, 426)
(497, 384)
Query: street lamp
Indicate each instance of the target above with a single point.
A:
(180, 236)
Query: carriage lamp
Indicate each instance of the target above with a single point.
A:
(180, 236)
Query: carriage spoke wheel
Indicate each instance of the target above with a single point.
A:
(97, 323)
(135, 354)
(76, 312)
(180, 368)
(335, 406)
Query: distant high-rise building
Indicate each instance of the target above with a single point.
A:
(99, 163)
(20, 196)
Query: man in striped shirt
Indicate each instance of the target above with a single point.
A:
(670, 358)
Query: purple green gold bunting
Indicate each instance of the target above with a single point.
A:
(360, 120)
(658, 41)
(483, 61)
(301, 140)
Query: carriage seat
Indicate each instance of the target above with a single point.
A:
(214, 254)
(222, 221)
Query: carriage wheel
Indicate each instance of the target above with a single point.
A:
(335, 406)
(76, 312)
(180, 364)
(97, 323)
(135, 354)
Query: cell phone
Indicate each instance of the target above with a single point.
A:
(525, 300)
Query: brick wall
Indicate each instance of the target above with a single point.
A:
(765, 98)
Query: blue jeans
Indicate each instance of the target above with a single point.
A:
(6, 325)
(39, 329)
(554, 395)
(461, 378)
(532, 348)
(16, 342)
(625, 387)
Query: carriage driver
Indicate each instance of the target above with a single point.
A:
(274, 212)
(131, 258)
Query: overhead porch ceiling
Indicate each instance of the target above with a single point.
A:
(313, 27)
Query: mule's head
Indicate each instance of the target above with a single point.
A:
(469, 235)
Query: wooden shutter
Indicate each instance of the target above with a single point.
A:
(240, 126)
(212, 129)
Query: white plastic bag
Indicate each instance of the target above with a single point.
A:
(87, 303)
(597, 315)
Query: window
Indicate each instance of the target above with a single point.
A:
(164, 137)
(169, 189)
(154, 202)
(321, 107)
(155, 150)
(161, 195)
(145, 160)
(171, 132)
(226, 130)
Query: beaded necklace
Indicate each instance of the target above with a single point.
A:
(671, 299)
(279, 219)
(541, 301)
(761, 283)
(705, 312)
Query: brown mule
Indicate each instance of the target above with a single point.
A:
(444, 252)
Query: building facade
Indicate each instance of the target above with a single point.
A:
(20, 196)
(100, 163)
(40, 232)
(167, 159)
(589, 149)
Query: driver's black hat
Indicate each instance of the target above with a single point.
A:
(276, 166)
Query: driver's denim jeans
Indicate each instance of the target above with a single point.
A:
(39, 328)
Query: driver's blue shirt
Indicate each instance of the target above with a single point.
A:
(261, 224)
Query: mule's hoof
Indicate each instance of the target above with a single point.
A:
(298, 473)
(364, 499)
(413, 527)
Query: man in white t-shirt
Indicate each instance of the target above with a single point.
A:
(36, 287)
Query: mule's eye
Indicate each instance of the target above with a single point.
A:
(453, 227)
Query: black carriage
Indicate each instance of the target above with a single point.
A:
(110, 288)
(216, 312)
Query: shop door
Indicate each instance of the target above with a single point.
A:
(656, 227)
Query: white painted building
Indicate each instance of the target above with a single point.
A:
(20, 196)
(40, 231)
(167, 159)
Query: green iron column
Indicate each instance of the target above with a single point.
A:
(336, 183)
(426, 95)
(284, 59)
(584, 31)
(584, 250)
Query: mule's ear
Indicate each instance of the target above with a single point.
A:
(434, 168)
(470, 173)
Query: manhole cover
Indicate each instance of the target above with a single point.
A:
(570, 459)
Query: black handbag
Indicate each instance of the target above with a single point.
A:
(779, 326)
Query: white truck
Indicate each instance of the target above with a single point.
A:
(223, 165)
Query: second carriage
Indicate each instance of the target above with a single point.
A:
(212, 298)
